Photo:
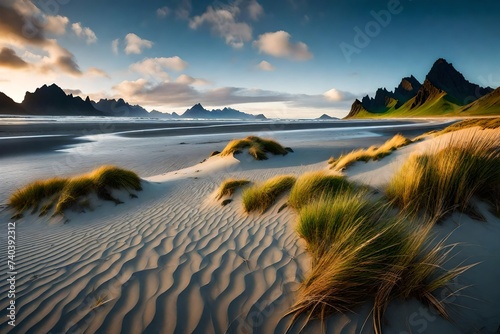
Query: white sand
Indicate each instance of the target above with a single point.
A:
(175, 261)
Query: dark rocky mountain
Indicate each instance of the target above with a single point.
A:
(198, 111)
(9, 106)
(407, 89)
(120, 108)
(326, 117)
(460, 91)
(385, 100)
(444, 91)
(52, 101)
(428, 92)
(356, 109)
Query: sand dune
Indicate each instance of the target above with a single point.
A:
(176, 261)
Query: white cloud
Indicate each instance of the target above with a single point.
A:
(56, 24)
(163, 12)
(333, 95)
(188, 80)
(255, 10)
(265, 66)
(223, 23)
(114, 46)
(277, 44)
(135, 45)
(84, 32)
(157, 67)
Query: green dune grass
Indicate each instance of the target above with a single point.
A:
(371, 153)
(64, 193)
(257, 147)
(261, 196)
(362, 253)
(229, 186)
(439, 183)
(313, 185)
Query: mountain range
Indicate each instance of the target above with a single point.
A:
(444, 92)
(53, 101)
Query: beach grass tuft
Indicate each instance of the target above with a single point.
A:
(261, 196)
(446, 179)
(64, 193)
(257, 147)
(371, 153)
(313, 185)
(229, 186)
(362, 253)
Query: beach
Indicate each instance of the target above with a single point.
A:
(173, 260)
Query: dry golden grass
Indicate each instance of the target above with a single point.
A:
(63, 193)
(261, 196)
(448, 177)
(313, 185)
(371, 153)
(257, 147)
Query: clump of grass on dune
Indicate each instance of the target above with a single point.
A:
(261, 196)
(361, 253)
(64, 193)
(257, 147)
(371, 153)
(34, 193)
(438, 183)
(483, 123)
(229, 186)
(311, 186)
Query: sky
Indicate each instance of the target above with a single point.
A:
(285, 59)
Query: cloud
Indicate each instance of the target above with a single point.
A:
(21, 26)
(223, 23)
(74, 92)
(114, 46)
(188, 80)
(333, 95)
(135, 45)
(277, 44)
(84, 32)
(265, 66)
(163, 12)
(181, 93)
(97, 72)
(157, 67)
(255, 10)
(9, 58)
(56, 24)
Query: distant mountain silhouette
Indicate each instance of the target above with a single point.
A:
(444, 91)
(326, 117)
(51, 100)
(8, 106)
(120, 108)
(158, 114)
(199, 112)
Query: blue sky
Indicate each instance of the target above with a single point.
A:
(288, 59)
